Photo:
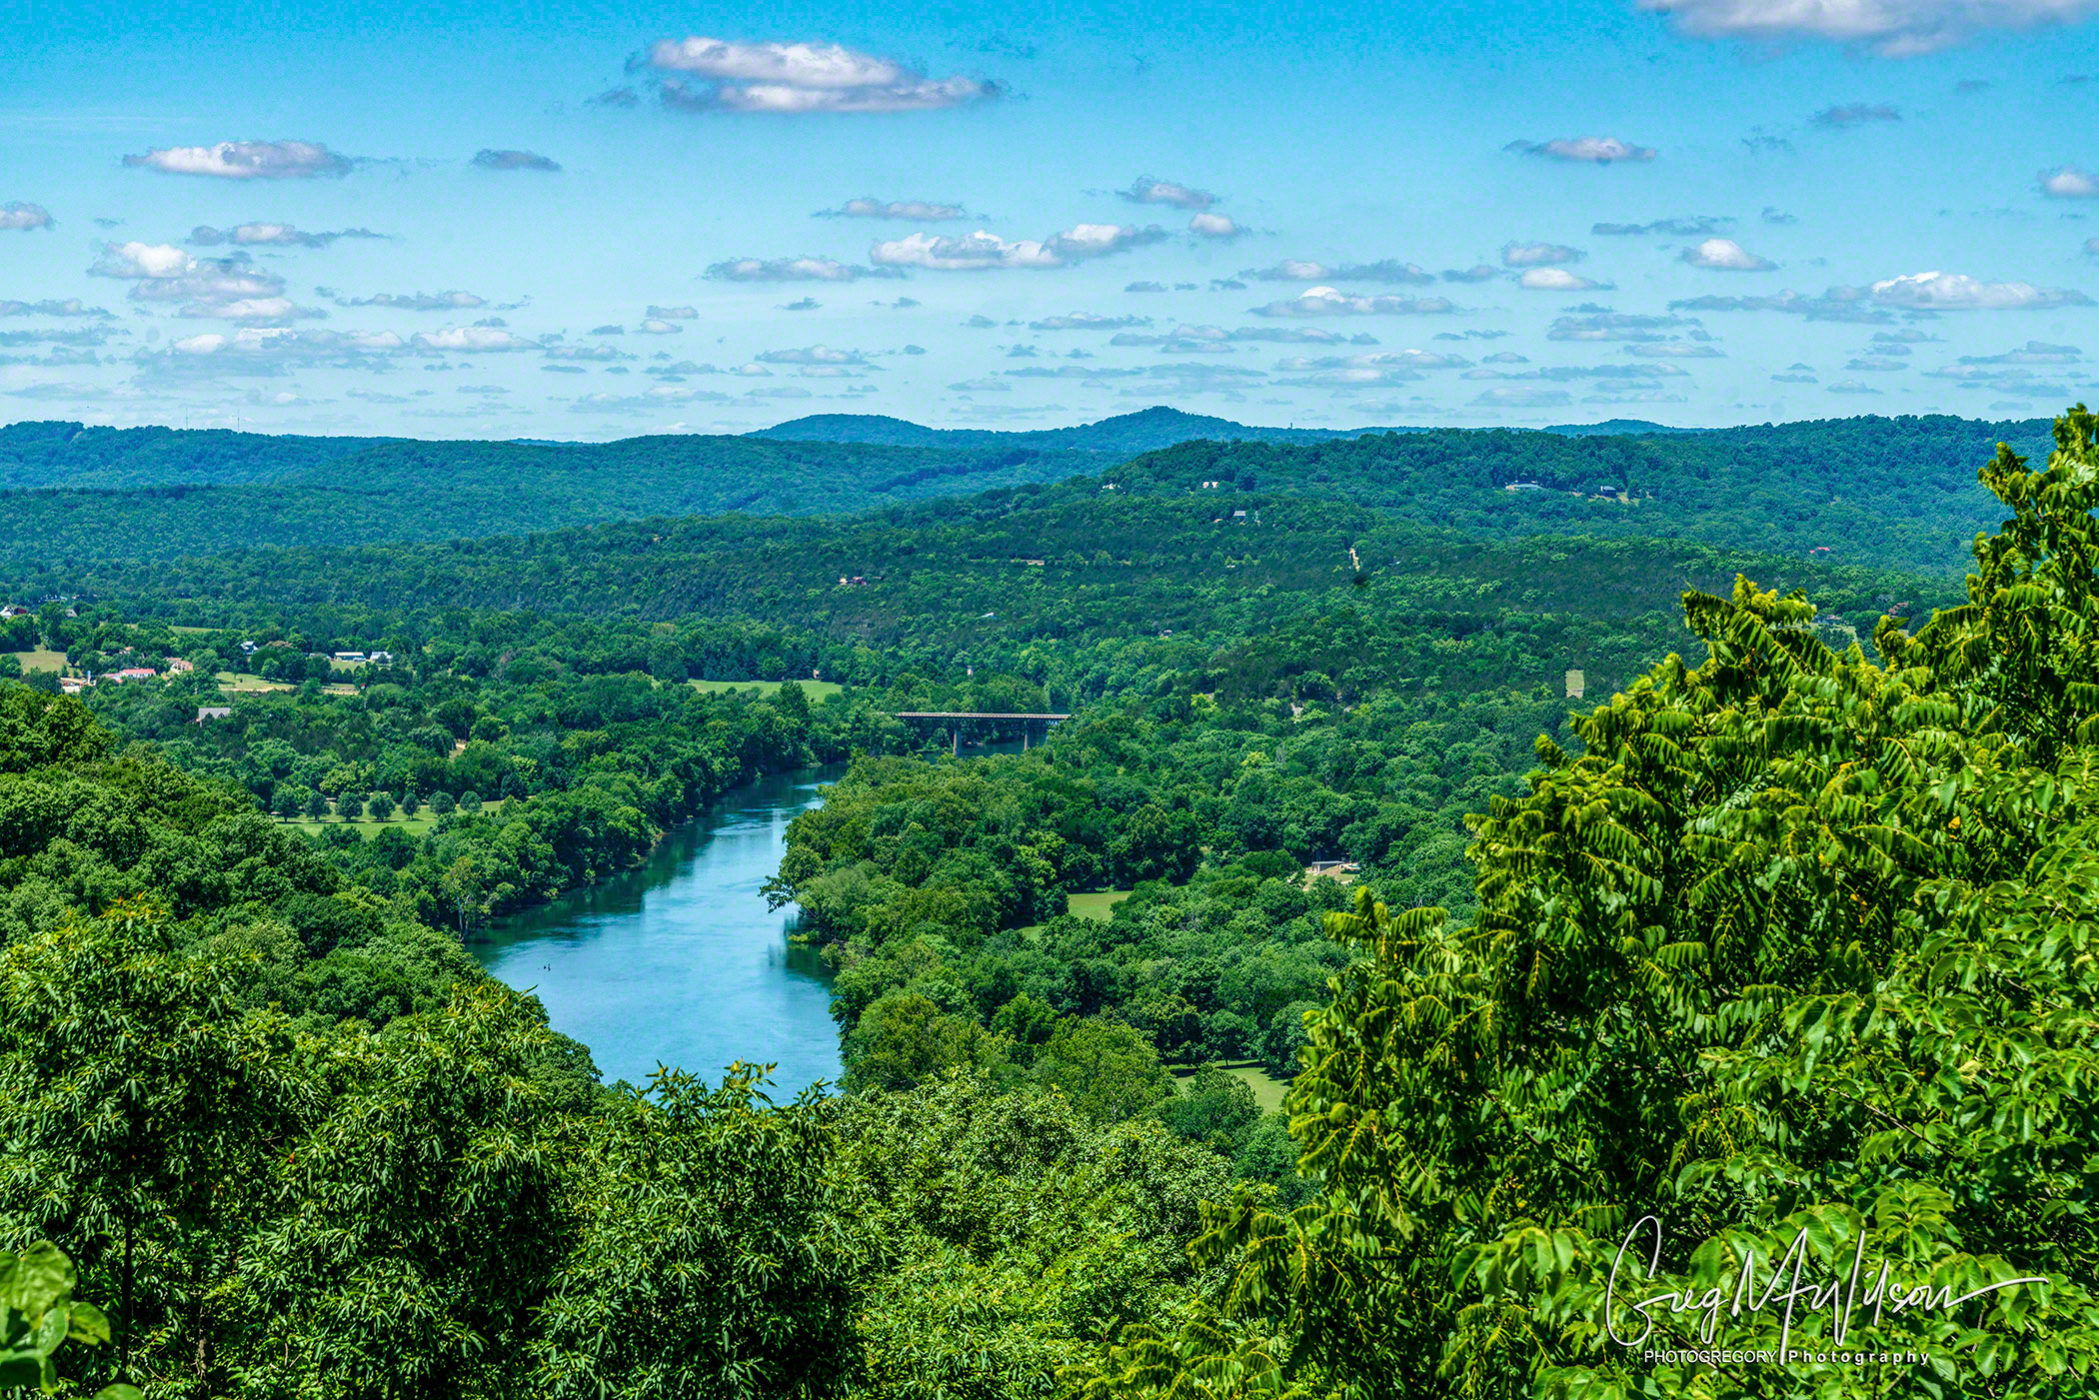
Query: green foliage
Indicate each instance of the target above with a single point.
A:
(712, 1256)
(38, 1315)
(1798, 947)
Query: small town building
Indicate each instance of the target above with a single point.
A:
(205, 712)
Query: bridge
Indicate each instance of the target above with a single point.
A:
(990, 719)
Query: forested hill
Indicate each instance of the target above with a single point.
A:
(1125, 435)
(1895, 492)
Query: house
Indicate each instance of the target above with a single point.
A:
(205, 712)
(178, 666)
(247, 648)
(355, 657)
(1523, 486)
(14, 610)
(380, 658)
(131, 673)
(856, 581)
(73, 685)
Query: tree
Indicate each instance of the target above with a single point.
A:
(381, 806)
(469, 802)
(316, 805)
(349, 806)
(141, 1110)
(443, 804)
(287, 802)
(410, 803)
(904, 1039)
(1108, 1070)
(716, 1252)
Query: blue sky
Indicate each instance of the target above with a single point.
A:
(602, 221)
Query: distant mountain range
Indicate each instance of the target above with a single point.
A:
(1857, 488)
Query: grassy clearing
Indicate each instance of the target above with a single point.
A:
(817, 691)
(241, 683)
(415, 826)
(1268, 1090)
(41, 660)
(1098, 905)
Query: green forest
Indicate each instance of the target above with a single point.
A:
(1692, 851)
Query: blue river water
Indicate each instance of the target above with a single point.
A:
(679, 962)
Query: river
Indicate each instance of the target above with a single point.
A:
(679, 961)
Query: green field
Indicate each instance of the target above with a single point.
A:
(818, 691)
(415, 826)
(1268, 1090)
(41, 660)
(1098, 905)
(242, 683)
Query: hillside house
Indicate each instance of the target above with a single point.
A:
(209, 712)
(350, 657)
(180, 666)
(73, 685)
(131, 673)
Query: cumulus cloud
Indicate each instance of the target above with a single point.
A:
(1857, 114)
(273, 235)
(656, 400)
(1478, 272)
(470, 340)
(913, 210)
(726, 75)
(1538, 255)
(1700, 226)
(793, 270)
(2033, 352)
(21, 215)
(1726, 255)
(656, 325)
(1161, 286)
(1328, 301)
(1602, 325)
(230, 288)
(981, 251)
(246, 160)
(253, 350)
(1087, 321)
(1949, 291)
(1836, 304)
(2069, 183)
(417, 301)
(673, 313)
(1351, 372)
(1218, 226)
(555, 350)
(1675, 350)
(1556, 279)
(1299, 270)
(71, 306)
(1893, 28)
(1523, 398)
(1587, 150)
(1146, 190)
(813, 355)
(515, 160)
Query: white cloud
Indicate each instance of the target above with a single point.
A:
(673, 313)
(1726, 255)
(1590, 150)
(1327, 301)
(70, 306)
(1950, 291)
(1893, 28)
(1146, 190)
(2069, 183)
(913, 210)
(1523, 398)
(1696, 227)
(1555, 279)
(418, 301)
(2033, 352)
(20, 215)
(657, 326)
(1299, 270)
(792, 270)
(1675, 349)
(813, 355)
(1602, 325)
(515, 160)
(470, 340)
(271, 235)
(727, 75)
(1088, 321)
(230, 288)
(1538, 255)
(981, 251)
(246, 160)
(1214, 226)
